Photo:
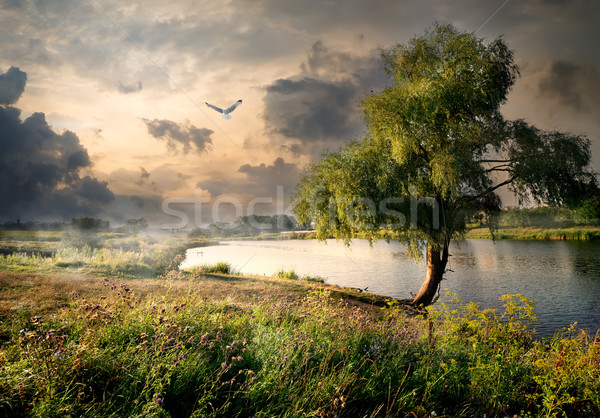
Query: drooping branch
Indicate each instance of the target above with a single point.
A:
(491, 189)
(496, 161)
(500, 168)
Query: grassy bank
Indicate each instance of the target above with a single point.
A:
(577, 233)
(580, 233)
(77, 340)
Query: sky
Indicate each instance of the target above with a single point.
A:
(102, 102)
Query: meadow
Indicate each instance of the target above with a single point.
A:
(107, 325)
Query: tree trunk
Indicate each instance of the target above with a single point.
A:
(436, 266)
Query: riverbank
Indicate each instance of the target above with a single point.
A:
(579, 233)
(122, 332)
(576, 233)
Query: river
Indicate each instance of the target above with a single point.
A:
(561, 277)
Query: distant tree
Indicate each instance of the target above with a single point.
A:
(436, 153)
(88, 224)
(199, 232)
(136, 225)
(589, 212)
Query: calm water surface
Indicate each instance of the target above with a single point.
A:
(561, 277)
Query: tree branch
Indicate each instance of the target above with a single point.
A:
(496, 161)
(499, 168)
(425, 154)
(491, 189)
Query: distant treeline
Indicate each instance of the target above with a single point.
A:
(552, 217)
(84, 223)
(33, 226)
(249, 226)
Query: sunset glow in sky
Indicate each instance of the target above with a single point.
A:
(122, 86)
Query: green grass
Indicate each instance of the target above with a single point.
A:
(292, 275)
(533, 233)
(117, 332)
(283, 274)
(219, 267)
(119, 256)
(30, 235)
(189, 355)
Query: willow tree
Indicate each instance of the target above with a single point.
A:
(437, 152)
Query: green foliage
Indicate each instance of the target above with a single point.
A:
(30, 235)
(136, 225)
(316, 279)
(120, 257)
(25, 262)
(221, 267)
(436, 142)
(589, 212)
(187, 354)
(291, 274)
(541, 217)
(89, 224)
(81, 239)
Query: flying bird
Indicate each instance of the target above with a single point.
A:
(226, 112)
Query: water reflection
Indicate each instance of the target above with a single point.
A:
(560, 277)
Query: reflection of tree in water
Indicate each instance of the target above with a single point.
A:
(586, 260)
(590, 321)
(586, 263)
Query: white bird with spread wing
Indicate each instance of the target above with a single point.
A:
(226, 112)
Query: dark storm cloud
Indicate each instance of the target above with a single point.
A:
(218, 187)
(312, 110)
(262, 180)
(267, 177)
(12, 85)
(130, 88)
(93, 190)
(571, 84)
(320, 106)
(39, 171)
(183, 134)
(138, 201)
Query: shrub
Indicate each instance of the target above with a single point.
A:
(221, 267)
(291, 274)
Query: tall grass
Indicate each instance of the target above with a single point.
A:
(146, 260)
(289, 274)
(169, 355)
(220, 267)
(292, 275)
